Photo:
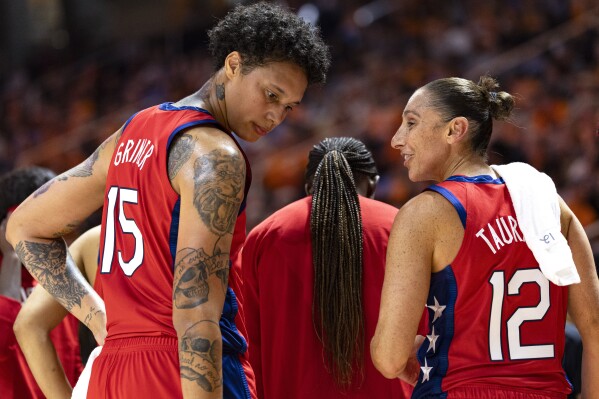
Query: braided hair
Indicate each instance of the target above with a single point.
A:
(336, 229)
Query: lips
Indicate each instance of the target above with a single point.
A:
(260, 131)
(406, 158)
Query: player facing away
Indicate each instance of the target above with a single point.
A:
(173, 183)
(496, 321)
(312, 274)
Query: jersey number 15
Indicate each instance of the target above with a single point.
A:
(123, 195)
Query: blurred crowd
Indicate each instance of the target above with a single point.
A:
(545, 52)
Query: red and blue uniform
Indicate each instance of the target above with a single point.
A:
(496, 324)
(137, 257)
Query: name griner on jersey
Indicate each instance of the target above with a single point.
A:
(138, 155)
(508, 233)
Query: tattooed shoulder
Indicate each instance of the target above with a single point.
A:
(179, 152)
(219, 181)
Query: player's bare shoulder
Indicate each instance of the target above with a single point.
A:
(427, 209)
(209, 163)
(203, 145)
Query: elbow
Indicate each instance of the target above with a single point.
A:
(184, 322)
(388, 365)
(13, 229)
(24, 328)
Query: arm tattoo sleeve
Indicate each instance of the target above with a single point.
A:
(191, 287)
(85, 169)
(179, 153)
(47, 262)
(43, 188)
(219, 179)
(200, 357)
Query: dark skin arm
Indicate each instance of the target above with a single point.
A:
(41, 313)
(208, 171)
(36, 228)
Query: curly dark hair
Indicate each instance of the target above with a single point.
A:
(265, 32)
(18, 184)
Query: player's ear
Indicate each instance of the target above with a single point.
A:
(458, 128)
(233, 64)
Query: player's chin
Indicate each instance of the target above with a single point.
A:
(248, 135)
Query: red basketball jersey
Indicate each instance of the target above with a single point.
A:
(495, 322)
(285, 351)
(140, 227)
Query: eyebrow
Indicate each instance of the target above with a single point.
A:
(409, 111)
(281, 91)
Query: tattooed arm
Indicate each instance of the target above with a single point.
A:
(36, 227)
(41, 313)
(208, 171)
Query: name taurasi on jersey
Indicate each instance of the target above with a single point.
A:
(508, 233)
(138, 155)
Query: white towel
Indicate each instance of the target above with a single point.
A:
(80, 390)
(537, 209)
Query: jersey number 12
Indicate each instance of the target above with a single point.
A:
(517, 351)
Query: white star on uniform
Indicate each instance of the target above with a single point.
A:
(438, 309)
(425, 371)
(432, 339)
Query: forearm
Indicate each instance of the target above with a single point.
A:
(200, 359)
(54, 269)
(43, 361)
(590, 371)
(10, 276)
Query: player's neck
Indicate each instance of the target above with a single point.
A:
(211, 98)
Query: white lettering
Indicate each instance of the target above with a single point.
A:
(514, 224)
(150, 151)
(504, 230)
(481, 234)
(142, 151)
(127, 149)
(118, 156)
(133, 153)
(496, 238)
(142, 148)
(509, 234)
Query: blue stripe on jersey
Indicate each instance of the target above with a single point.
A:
(454, 201)
(444, 291)
(187, 126)
(174, 231)
(476, 179)
(170, 106)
